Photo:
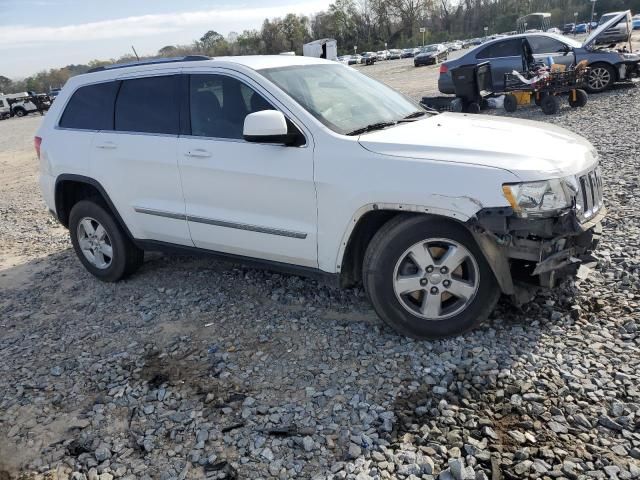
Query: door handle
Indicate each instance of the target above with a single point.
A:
(107, 145)
(198, 153)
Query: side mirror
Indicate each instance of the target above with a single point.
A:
(267, 126)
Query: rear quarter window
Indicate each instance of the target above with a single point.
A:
(91, 107)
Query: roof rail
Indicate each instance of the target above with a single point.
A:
(153, 61)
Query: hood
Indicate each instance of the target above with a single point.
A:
(593, 37)
(529, 150)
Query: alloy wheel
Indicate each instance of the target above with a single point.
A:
(599, 78)
(436, 279)
(95, 243)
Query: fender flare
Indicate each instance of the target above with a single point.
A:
(95, 184)
(466, 207)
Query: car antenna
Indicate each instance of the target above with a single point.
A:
(134, 52)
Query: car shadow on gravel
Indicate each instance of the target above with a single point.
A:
(189, 326)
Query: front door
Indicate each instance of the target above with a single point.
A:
(250, 199)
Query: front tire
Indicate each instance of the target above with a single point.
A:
(601, 77)
(101, 244)
(427, 278)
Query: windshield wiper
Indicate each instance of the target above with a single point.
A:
(416, 114)
(412, 116)
(371, 127)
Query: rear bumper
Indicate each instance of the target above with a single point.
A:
(535, 253)
(47, 187)
(445, 84)
(425, 61)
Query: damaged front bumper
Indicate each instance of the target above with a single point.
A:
(529, 253)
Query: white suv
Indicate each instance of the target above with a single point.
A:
(308, 166)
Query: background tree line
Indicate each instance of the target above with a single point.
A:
(367, 24)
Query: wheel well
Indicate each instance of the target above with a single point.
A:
(70, 192)
(363, 232)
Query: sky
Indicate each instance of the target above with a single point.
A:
(40, 34)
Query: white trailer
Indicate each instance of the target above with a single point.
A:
(323, 48)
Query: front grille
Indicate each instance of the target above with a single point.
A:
(589, 197)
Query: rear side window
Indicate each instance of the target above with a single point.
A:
(91, 107)
(148, 105)
(506, 48)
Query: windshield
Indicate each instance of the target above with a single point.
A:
(430, 48)
(607, 17)
(341, 98)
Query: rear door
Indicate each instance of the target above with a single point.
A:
(543, 47)
(505, 56)
(135, 161)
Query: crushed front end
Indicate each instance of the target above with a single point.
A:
(550, 229)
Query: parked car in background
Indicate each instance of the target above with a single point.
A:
(408, 53)
(635, 22)
(431, 55)
(350, 181)
(555, 30)
(382, 55)
(355, 59)
(569, 28)
(618, 32)
(607, 66)
(581, 28)
(369, 58)
(394, 54)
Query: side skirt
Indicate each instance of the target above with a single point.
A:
(325, 278)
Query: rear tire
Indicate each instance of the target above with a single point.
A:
(539, 97)
(100, 243)
(550, 104)
(19, 112)
(580, 100)
(510, 103)
(464, 296)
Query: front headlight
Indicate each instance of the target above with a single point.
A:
(540, 199)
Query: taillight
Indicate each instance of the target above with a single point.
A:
(36, 143)
(443, 69)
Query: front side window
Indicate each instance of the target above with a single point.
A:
(219, 105)
(91, 107)
(541, 44)
(341, 98)
(148, 105)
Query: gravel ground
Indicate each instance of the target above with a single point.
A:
(199, 369)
